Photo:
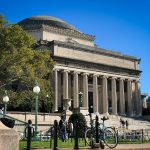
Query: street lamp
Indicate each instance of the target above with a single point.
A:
(36, 90)
(47, 96)
(80, 100)
(5, 101)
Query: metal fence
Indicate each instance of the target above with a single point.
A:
(134, 135)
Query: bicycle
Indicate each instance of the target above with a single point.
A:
(107, 135)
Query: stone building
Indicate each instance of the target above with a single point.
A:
(109, 80)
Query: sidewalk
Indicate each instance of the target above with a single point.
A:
(119, 147)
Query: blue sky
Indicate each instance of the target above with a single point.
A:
(119, 25)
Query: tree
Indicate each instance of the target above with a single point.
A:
(20, 66)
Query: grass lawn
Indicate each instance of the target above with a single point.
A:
(46, 144)
(68, 144)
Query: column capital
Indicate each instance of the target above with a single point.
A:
(85, 73)
(113, 77)
(105, 76)
(137, 80)
(65, 70)
(122, 79)
(95, 75)
(76, 72)
(129, 80)
(56, 69)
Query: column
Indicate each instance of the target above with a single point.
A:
(95, 93)
(122, 96)
(56, 89)
(105, 95)
(114, 96)
(129, 92)
(138, 102)
(75, 90)
(85, 90)
(65, 84)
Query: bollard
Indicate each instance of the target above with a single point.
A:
(97, 131)
(25, 116)
(29, 133)
(76, 146)
(55, 135)
(51, 129)
(142, 136)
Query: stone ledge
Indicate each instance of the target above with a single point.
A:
(9, 139)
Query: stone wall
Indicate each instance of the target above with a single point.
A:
(9, 139)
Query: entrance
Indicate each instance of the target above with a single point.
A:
(90, 100)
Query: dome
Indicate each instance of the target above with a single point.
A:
(46, 20)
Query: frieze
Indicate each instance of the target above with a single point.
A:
(67, 32)
(96, 67)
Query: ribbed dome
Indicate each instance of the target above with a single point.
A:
(47, 20)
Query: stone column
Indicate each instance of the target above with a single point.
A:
(114, 96)
(122, 96)
(95, 93)
(56, 90)
(129, 92)
(85, 90)
(75, 90)
(65, 84)
(138, 102)
(105, 95)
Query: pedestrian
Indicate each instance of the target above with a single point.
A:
(1, 112)
(127, 124)
(62, 126)
(122, 122)
(70, 130)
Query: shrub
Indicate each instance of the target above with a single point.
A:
(81, 123)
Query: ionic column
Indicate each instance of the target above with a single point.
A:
(114, 95)
(75, 90)
(95, 93)
(105, 95)
(122, 97)
(138, 98)
(85, 90)
(65, 84)
(129, 92)
(56, 89)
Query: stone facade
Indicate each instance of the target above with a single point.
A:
(109, 81)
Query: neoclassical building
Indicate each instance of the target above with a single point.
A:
(109, 80)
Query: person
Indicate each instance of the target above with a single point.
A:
(122, 123)
(70, 130)
(62, 126)
(127, 124)
(1, 112)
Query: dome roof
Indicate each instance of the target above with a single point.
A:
(47, 20)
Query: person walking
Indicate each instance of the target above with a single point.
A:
(127, 124)
(62, 126)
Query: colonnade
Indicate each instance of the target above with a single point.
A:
(130, 100)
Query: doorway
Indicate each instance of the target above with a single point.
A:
(90, 100)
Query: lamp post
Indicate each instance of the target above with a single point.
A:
(36, 90)
(80, 100)
(5, 101)
(47, 96)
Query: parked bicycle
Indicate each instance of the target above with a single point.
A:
(106, 135)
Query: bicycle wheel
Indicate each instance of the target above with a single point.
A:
(110, 137)
(89, 137)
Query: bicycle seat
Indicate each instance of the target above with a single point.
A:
(104, 118)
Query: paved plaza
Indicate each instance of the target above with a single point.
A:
(119, 147)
